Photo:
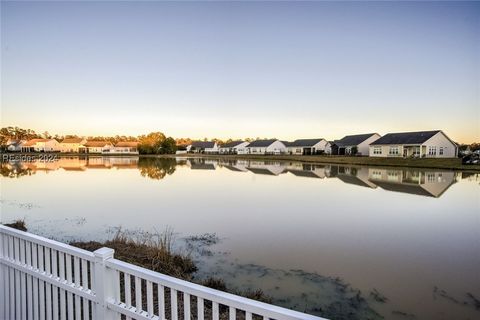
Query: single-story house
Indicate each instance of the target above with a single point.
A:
(72, 144)
(271, 146)
(40, 145)
(14, 145)
(203, 147)
(308, 146)
(357, 144)
(234, 147)
(126, 147)
(96, 147)
(432, 144)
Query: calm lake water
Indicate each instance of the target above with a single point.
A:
(343, 242)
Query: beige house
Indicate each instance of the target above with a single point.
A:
(72, 145)
(96, 147)
(41, 145)
(126, 147)
(429, 144)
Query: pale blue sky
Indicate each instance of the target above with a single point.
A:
(268, 69)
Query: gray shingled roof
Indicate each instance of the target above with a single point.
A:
(261, 143)
(304, 142)
(232, 144)
(406, 137)
(353, 140)
(203, 144)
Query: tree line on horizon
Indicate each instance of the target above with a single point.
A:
(152, 143)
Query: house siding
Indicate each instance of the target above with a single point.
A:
(322, 145)
(364, 147)
(276, 147)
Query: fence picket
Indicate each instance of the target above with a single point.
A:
(63, 307)
(161, 301)
(68, 262)
(138, 294)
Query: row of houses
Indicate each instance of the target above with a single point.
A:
(73, 145)
(434, 144)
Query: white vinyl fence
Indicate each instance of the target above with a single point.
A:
(45, 279)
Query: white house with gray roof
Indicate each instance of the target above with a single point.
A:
(203, 147)
(234, 147)
(357, 144)
(308, 146)
(430, 144)
(271, 146)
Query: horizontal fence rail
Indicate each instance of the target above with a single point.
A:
(45, 279)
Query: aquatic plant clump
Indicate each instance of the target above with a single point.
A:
(150, 251)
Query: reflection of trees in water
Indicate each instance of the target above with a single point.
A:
(156, 168)
(15, 170)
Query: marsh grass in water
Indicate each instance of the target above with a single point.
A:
(18, 224)
(152, 251)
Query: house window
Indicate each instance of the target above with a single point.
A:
(377, 150)
(416, 151)
(392, 175)
(432, 151)
(376, 174)
(394, 151)
(440, 151)
(431, 177)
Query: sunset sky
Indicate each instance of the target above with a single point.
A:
(259, 69)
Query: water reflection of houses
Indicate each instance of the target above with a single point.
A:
(98, 163)
(426, 183)
(273, 168)
(42, 166)
(307, 170)
(124, 162)
(73, 163)
(350, 174)
(202, 164)
(234, 165)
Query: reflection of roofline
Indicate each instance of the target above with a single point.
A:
(74, 168)
(404, 188)
(202, 166)
(262, 171)
(409, 187)
(303, 173)
(354, 180)
(233, 168)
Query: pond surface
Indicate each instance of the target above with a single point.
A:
(344, 242)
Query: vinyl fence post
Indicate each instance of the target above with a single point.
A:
(104, 284)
